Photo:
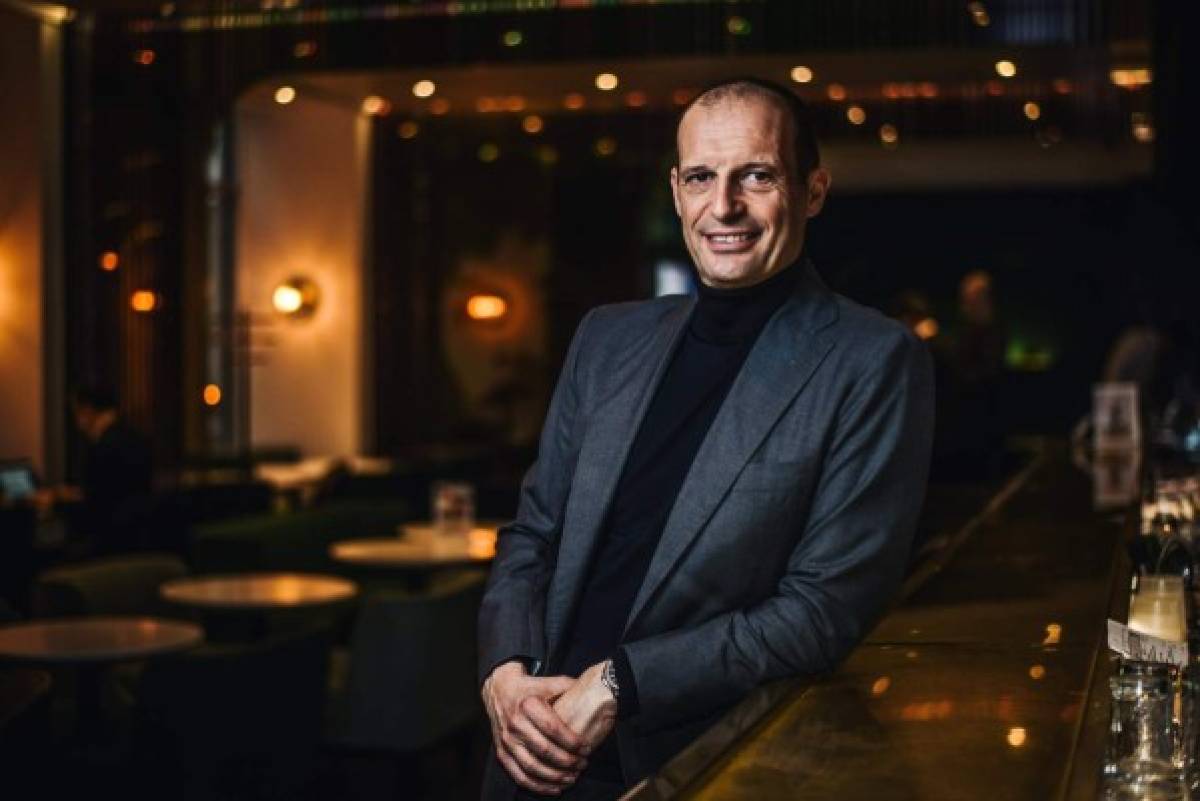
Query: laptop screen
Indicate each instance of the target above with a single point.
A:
(17, 481)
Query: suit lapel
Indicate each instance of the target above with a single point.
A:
(602, 457)
(787, 353)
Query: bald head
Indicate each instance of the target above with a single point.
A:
(803, 151)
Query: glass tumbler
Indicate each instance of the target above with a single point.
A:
(1143, 755)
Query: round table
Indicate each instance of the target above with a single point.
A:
(90, 645)
(258, 591)
(419, 549)
(95, 640)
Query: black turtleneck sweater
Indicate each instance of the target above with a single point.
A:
(722, 329)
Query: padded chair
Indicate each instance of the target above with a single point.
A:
(411, 675)
(295, 541)
(235, 721)
(118, 585)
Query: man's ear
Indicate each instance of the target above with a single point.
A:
(819, 181)
(675, 191)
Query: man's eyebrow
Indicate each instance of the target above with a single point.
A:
(691, 168)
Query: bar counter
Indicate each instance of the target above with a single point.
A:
(988, 679)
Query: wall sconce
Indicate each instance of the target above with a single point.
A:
(486, 308)
(296, 297)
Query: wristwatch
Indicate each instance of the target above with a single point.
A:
(608, 677)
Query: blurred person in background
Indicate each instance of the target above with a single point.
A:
(108, 507)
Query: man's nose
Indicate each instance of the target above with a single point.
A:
(728, 201)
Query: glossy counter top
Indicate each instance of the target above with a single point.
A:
(975, 686)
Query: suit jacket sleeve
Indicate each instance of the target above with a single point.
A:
(512, 615)
(846, 565)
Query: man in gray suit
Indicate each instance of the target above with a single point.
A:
(726, 486)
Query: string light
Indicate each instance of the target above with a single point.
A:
(532, 124)
(836, 92)
(573, 101)
(212, 395)
(109, 260)
(888, 134)
(605, 146)
(424, 88)
(802, 74)
(1006, 69)
(375, 106)
(144, 57)
(856, 115)
(606, 81)
(439, 106)
(512, 38)
(285, 95)
(1032, 110)
(143, 301)
(636, 99)
(408, 129)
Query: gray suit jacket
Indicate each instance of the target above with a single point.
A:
(789, 535)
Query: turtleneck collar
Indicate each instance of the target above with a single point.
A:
(730, 316)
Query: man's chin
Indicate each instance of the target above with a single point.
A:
(730, 274)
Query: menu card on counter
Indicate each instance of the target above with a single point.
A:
(1144, 648)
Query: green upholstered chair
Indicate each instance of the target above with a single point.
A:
(410, 681)
(235, 721)
(118, 585)
(295, 541)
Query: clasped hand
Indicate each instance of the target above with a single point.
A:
(544, 728)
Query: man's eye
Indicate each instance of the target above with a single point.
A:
(758, 178)
(697, 178)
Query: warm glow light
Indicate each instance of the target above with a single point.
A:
(424, 88)
(928, 90)
(888, 134)
(143, 300)
(1062, 86)
(891, 91)
(1053, 634)
(109, 261)
(481, 543)
(856, 115)
(836, 91)
(606, 81)
(285, 95)
(926, 329)
(908, 90)
(287, 299)
(144, 57)
(374, 106)
(512, 38)
(304, 49)
(514, 103)
(488, 152)
(880, 686)
(487, 104)
(439, 106)
(532, 124)
(212, 395)
(408, 129)
(802, 74)
(1131, 78)
(1037, 672)
(995, 88)
(296, 297)
(1142, 128)
(605, 146)
(1006, 69)
(573, 101)
(1032, 110)
(636, 99)
(486, 307)
(1016, 736)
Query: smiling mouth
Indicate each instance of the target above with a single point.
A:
(736, 240)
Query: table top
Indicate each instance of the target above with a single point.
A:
(95, 639)
(420, 547)
(258, 591)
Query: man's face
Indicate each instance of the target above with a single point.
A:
(742, 209)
